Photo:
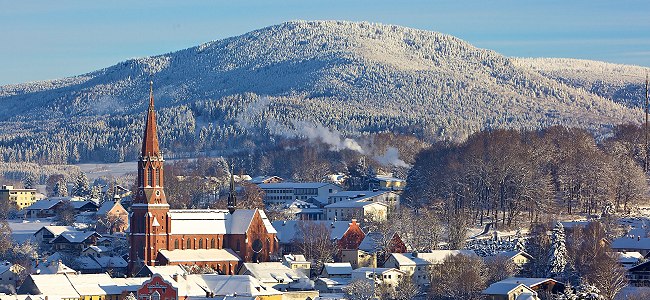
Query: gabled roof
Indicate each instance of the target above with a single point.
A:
(56, 230)
(107, 262)
(55, 286)
(293, 185)
(199, 255)
(89, 284)
(354, 204)
(83, 204)
(529, 282)
(107, 206)
(168, 270)
(263, 179)
(54, 267)
(338, 268)
(360, 195)
(425, 258)
(369, 270)
(636, 243)
(272, 272)
(215, 221)
(288, 230)
(243, 285)
(512, 254)
(505, 288)
(48, 203)
(75, 237)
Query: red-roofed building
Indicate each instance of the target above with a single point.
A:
(154, 227)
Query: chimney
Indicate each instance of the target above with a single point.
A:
(175, 276)
(638, 237)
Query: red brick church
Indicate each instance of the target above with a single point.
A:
(220, 239)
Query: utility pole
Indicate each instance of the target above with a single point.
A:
(645, 127)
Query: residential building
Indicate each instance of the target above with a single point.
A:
(389, 197)
(291, 232)
(112, 217)
(275, 275)
(390, 277)
(46, 234)
(387, 182)
(632, 244)
(8, 277)
(74, 241)
(45, 208)
(20, 198)
(542, 286)
(362, 210)
(417, 265)
(297, 262)
(284, 193)
(339, 270)
(520, 258)
(509, 291)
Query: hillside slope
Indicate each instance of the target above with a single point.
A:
(355, 78)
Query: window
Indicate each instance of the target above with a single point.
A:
(201, 244)
(189, 244)
(149, 177)
(176, 244)
(212, 245)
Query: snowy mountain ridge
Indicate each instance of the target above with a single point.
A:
(355, 78)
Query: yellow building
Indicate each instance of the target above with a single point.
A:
(21, 198)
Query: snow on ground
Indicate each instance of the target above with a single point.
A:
(94, 171)
(23, 230)
(633, 291)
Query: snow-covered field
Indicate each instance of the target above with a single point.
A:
(94, 171)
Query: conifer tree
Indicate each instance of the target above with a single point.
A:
(81, 186)
(558, 253)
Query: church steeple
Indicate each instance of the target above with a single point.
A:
(150, 166)
(150, 143)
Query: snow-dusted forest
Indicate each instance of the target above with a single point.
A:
(354, 78)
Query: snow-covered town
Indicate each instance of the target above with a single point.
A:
(427, 150)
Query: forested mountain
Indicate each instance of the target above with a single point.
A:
(288, 80)
(620, 83)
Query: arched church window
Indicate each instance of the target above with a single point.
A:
(201, 244)
(149, 177)
(212, 245)
(189, 244)
(175, 244)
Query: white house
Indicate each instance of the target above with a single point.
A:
(283, 193)
(388, 197)
(418, 264)
(348, 210)
(387, 276)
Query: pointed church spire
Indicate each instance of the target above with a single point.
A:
(150, 144)
(232, 196)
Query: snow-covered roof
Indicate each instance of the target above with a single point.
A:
(288, 230)
(388, 178)
(81, 204)
(56, 230)
(529, 282)
(272, 272)
(504, 288)
(98, 249)
(85, 263)
(354, 204)
(107, 206)
(293, 185)
(75, 236)
(295, 258)
(262, 179)
(162, 270)
(111, 262)
(512, 254)
(89, 284)
(53, 267)
(370, 242)
(215, 221)
(335, 281)
(48, 203)
(198, 255)
(243, 285)
(369, 270)
(338, 268)
(425, 258)
(631, 243)
(55, 286)
(359, 195)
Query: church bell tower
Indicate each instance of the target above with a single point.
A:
(148, 223)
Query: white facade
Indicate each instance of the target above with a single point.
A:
(285, 193)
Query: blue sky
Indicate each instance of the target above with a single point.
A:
(54, 39)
